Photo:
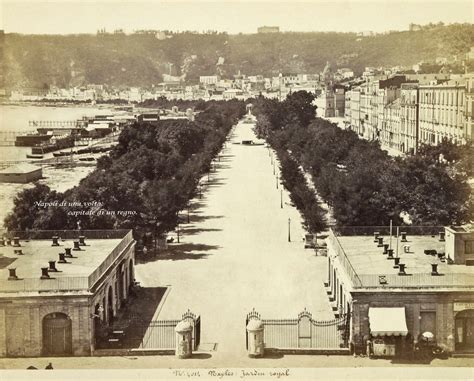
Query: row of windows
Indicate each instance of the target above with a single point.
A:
(443, 97)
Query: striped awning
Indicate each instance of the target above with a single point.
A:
(388, 321)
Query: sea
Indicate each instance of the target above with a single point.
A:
(17, 117)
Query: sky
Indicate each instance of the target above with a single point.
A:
(86, 16)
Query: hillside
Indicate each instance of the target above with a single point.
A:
(141, 60)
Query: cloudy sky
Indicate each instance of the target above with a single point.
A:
(72, 16)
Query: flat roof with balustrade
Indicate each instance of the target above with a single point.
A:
(80, 273)
(368, 267)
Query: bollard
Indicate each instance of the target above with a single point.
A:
(184, 339)
(255, 338)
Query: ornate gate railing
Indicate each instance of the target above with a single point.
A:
(304, 332)
(160, 334)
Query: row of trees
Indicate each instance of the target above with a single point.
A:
(274, 119)
(361, 182)
(301, 195)
(152, 172)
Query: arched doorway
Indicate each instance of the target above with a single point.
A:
(110, 306)
(464, 330)
(130, 272)
(57, 334)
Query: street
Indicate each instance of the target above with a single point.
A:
(237, 253)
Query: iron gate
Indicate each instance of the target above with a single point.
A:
(303, 332)
(160, 334)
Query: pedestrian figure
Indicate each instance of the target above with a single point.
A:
(49, 366)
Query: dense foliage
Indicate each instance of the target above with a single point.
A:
(153, 171)
(362, 184)
(141, 60)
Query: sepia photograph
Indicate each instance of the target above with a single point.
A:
(254, 190)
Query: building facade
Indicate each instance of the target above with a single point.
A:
(442, 112)
(60, 307)
(421, 286)
(405, 111)
(409, 98)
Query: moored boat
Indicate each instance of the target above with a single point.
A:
(32, 156)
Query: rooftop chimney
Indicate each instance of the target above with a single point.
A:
(390, 253)
(385, 248)
(68, 252)
(55, 240)
(18, 251)
(2, 241)
(76, 245)
(404, 236)
(62, 259)
(82, 240)
(434, 269)
(12, 274)
(376, 236)
(396, 264)
(9, 242)
(401, 269)
(52, 266)
(441, 236)
(44, 273)
(380, 240)
(16, 241)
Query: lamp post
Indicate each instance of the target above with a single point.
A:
(289, 226)
(277, 181)
(273, 168)
(281, 198)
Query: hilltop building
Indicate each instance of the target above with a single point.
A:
(268, 29)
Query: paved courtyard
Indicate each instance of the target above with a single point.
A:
(237, 254)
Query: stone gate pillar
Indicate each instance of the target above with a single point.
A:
(184, 339)
(255, 338)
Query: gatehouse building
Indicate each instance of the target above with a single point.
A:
(59, 287)
(398, 290)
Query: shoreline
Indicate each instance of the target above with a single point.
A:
(59, 104)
